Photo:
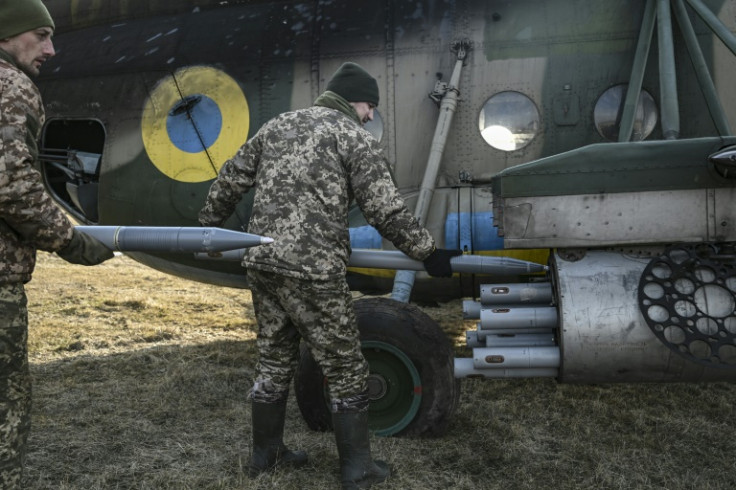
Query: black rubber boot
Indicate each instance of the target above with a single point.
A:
(357, 468)
(269, 450)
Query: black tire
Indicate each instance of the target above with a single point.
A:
(413, 388)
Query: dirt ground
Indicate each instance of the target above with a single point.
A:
(140, 382)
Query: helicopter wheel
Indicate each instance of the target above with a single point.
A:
(411, 385)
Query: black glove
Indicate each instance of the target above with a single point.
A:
(85, 250)
(438, 262)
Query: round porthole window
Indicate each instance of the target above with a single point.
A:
(610, 107)
(509, 121)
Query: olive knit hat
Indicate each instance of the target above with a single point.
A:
(354, 84)
(19, 16)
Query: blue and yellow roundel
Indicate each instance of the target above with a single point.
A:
(193, 122)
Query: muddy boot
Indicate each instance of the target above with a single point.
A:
(357, 468)
(269, 450)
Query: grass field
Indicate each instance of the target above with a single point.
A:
(140, 382)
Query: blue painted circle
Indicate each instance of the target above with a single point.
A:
(195, 121)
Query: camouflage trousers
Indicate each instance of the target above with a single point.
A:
(15, 384)
(319, 312)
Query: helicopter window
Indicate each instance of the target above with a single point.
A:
(509, 121)
(70, 156)
(375, 127)
(610, 106)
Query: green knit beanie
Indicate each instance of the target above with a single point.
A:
(354, 84)
(19, 16)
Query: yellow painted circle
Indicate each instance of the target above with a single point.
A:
(194, 81)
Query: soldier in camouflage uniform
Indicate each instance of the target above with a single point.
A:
(29, 220)
(307, 166)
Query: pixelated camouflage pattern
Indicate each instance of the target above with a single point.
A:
(29, 219)
(352, 404)
(15, 385)
(319, 312)
(307, 167)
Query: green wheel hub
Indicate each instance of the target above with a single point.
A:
(394, 388)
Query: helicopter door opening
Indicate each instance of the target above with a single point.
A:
(70, 155)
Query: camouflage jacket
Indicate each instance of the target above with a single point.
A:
(307, 167)
(29, 219)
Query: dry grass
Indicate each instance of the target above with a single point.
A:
(140, 383)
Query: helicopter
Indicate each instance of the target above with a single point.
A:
(593, 137)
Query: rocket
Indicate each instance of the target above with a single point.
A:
(172, 238)
(393, 259)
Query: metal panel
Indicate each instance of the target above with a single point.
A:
(724, 218)
(610, 219)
